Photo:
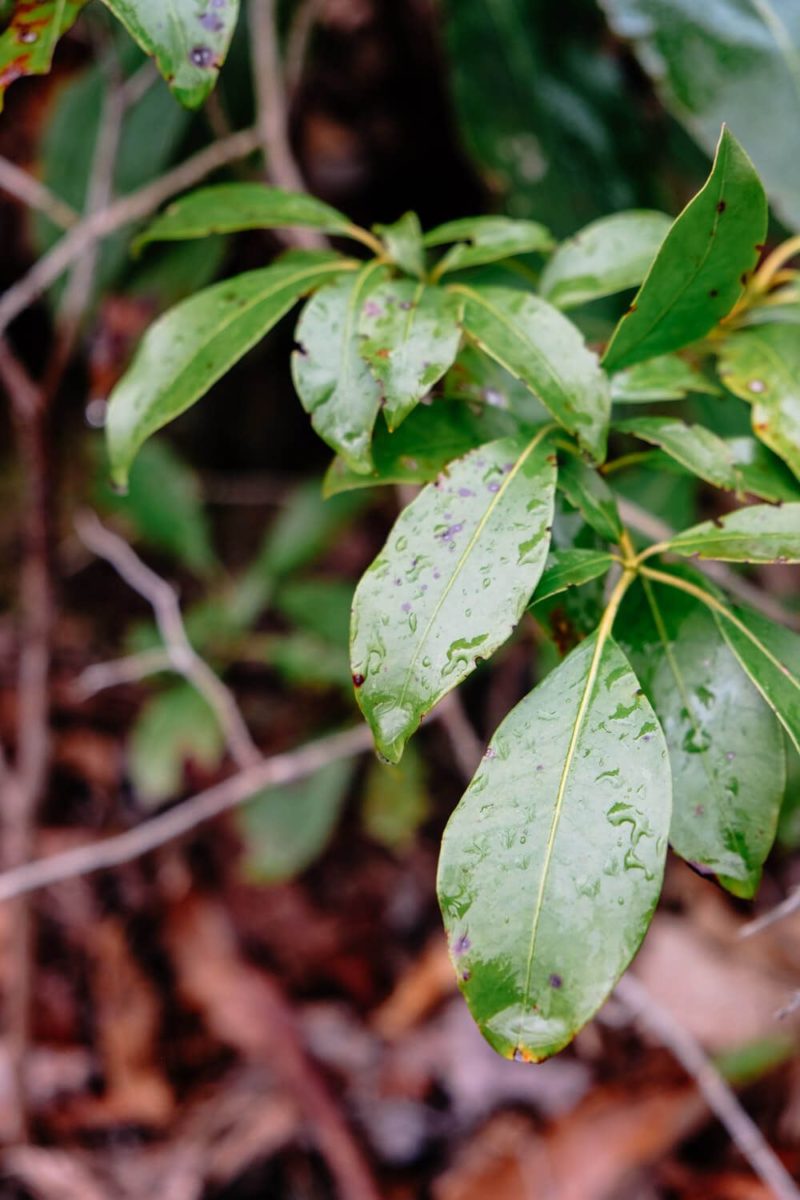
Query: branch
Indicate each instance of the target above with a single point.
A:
(131, 669)
(176, 822)
(182, 656)
(31, 192)
(719, 1097)
(786, 908)
(134, 207)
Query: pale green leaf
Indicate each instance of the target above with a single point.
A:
(759, 534)
(608, 256)
(762, 366)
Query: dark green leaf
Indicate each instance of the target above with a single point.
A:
(396, 801)
(320, 606)
(726, 748)
(551, 864)
(763, 473)
(770, 654)
(702, 266)
(28, 41)
(571, 568)
(334, 383)
(664, 378)
(763, 367)
(403, 242)
(411, 334)
(188, 39)
(761, 533)
(231, 207)
(286, 828)
(694, 446)
(538, 345)
(590, 494)
(477, 378)
(451, 583)
(610, 255)
(486, 240)
(731, 60)
(192, 345)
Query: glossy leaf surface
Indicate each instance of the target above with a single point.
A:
(231, 207)
(763, 367)
(590, 494)
(334, 383)
(761, 533)
(188, 39)
(29, 39)
(700, 270)
(666, 377)
(188, 348)
(403, 242)
(411, 335)
(770, 654)
(727, 60)
(452, 581)
(695, 447)
(571, 568)
(551, 864)
(608, 256)
(486, 240)
(726, 748)
(538, 345)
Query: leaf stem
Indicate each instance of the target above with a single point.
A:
(367, 239)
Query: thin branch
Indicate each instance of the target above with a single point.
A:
(131, 669)
(186, 817)
(786, 908)
(125, 211)
(653, 527)
(182, 655)
(717, 1094)
(31, 192)
(297, 40)
(464, 742)
(138, 84)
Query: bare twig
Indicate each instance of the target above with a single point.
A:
(130, 669)
(464, 742)
(30, 191)
(786, 908)
(653, 527)
(186, 817)
(717, 1094)
(125, 211)
(182, 655)
(297, 39)
(139, 83)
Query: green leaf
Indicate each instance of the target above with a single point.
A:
(759, 534)
(770, 654)
(486, 240)
(286, 828)
(731, 60)
(188, 39)
(694, 446)
(306, 661)
(551, 864)
(396, 801)
(477, 378)
(725, 746)
(700, 270)
(334, 383)
(411, 335)
(763, 473)
(590, 494)
(173, 728)
(192, 345)
(403, 242)
(28, 41)
(533, 341)
(605, 257)
(165, 505)
(762, 366)
(451, 583)
(320, 606)
(571, 568)
(431, 437)
(231, 207)
(664, 378)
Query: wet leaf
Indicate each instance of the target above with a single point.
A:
(551, 864)
(403, 242)
(231, 207)
(28, 40)
(486, 240)
(431, 437)
(664, 378)
(188, 39)
(590, 494)
(192, 345)
(761, 533)
(538, 345)
(702, 266)
(764, 474)
(762, 366)
(286, 828)
(477, 378)
(731, 60)
(726, 748)
(411, 335)
(694, 446)
(451, 583)
(770, 654)
(334, 383)
(605, 257)
(571, 568)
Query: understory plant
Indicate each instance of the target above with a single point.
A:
(445, 359)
